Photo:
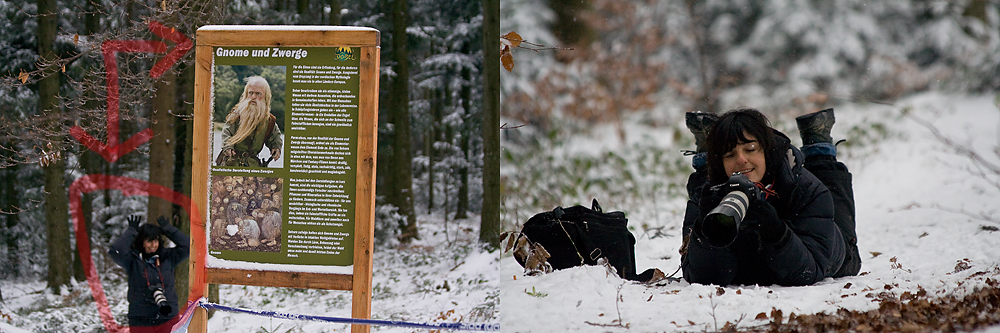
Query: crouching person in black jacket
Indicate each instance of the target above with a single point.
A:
(152, 297)
(785, 225)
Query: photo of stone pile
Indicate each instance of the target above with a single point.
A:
(245, 214)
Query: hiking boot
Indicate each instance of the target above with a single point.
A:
(699, 123)
(815, 127)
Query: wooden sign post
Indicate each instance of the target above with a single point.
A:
(284, 158)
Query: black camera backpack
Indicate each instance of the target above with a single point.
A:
(579, 235)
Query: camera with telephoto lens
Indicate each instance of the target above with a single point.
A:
(161, 300)
(722, 224)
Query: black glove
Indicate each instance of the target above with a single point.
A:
(133, 221)
(710, 197)
(162, 221)
(771, 228)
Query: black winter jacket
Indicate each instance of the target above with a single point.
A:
(142, 274)
(810, 250)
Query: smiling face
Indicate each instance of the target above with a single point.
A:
(151, 245)
(746, 158)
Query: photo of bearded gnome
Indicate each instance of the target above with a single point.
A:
(249, 127)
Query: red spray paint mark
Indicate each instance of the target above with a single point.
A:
(114, 149)
(129, 187)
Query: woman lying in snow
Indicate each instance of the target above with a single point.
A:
(798, 227)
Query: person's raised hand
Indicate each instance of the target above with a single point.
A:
(133, 221)
(162, 221)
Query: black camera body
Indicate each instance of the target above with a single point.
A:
(722, 224)
(160, 300)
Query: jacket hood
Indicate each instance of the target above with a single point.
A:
(787, 162)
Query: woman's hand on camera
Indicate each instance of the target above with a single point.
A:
(771, 227)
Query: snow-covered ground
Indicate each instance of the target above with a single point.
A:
(910, 190)
(914, 195)
(445, 277)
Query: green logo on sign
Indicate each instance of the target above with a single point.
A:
(344, 53)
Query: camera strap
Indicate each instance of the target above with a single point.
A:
(158, 271)
(767, 190)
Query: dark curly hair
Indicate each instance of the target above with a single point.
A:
(147, 232)
(733, 128)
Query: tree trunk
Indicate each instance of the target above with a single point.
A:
(302, 7)
(569, 25)
(429, 150)
(489, 231)
(56, 203)
(445, 134)
(185, 135)
(977, 9)
(162, 147)
(433, 136)
(335, 8)
(462, 206)
(91, 162)
(10, 207)
(400, 170)
(91, 18)
(162, 144)
(56, 206)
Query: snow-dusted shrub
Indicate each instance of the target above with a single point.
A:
(387, 222)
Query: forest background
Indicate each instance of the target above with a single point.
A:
(639, 61)
(597, 111)
(438, 134)
(605, 62)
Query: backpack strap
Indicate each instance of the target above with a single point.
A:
(576, 248)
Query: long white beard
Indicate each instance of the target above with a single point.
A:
(250, 115)
(255, 110)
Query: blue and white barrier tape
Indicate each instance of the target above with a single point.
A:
(494, 327)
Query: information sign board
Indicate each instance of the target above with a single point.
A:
(284, 157)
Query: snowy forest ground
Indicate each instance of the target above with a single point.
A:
(444, 277)
(926, 219)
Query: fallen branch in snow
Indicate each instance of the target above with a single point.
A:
(616, 322)
(728, 326)
(983, 216)
(985, 170)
